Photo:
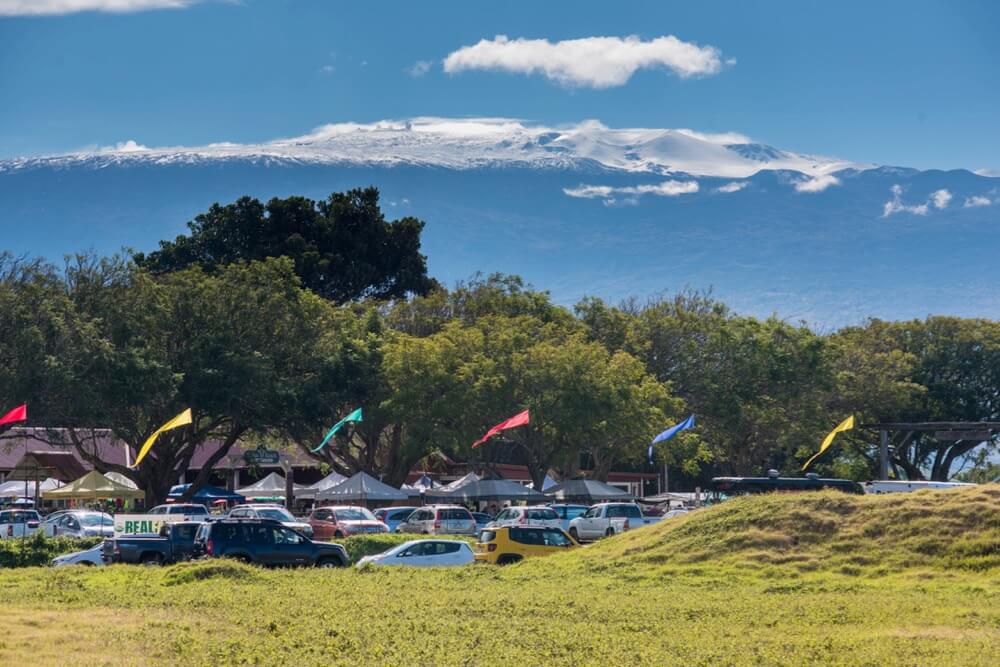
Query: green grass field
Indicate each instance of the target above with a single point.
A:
(819, 579)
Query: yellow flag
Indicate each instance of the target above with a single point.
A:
(182, 419)
(845, 425)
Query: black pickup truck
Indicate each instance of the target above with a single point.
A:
(174, 543)
(265, 542)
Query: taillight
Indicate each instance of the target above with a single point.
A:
(437, 523)
(626, 525)
(523, 519)
(32, 524)
(491, 547)
(10, 530)
(209, 547)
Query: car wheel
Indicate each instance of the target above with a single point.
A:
(338, 534)
(329, 563)
(610, 532)
(575, 535)
(243, 559)
(152, 560)
(508, 559)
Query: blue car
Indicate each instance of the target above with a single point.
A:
(393, 516)
(482, 520)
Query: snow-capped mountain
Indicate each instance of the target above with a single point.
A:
(478, 143)
(580, 210)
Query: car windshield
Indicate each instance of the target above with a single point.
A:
(275, 513)
(96, 520)
(355, 514)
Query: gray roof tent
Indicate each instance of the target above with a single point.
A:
(362, 487)
(488, 489)
(272, 486)
(586, 490)
(328, 482)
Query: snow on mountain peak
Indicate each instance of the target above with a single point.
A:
(467, 143)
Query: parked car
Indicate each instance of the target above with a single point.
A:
(79, 523)
(19, 523)
(265, 542)
(504, 545)
(675, 513)
(174, 543)
(482, 520)
(424, 553)
(439, 520)
(341, 521)
(605, 520)
(393, 516)
(271, 511)
(527, 516)
(92, 556)
(568, 512)
(193, 510)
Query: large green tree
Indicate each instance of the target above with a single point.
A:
(246, 348)
(343, 248)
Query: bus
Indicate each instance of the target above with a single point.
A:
(723, 487)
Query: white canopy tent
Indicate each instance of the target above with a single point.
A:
(328, 482)
(461, 481)
(18, 489)
(362, 487)
(119, 478)
(272, 486)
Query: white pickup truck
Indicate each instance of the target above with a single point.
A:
(18, 523)
(607, 519)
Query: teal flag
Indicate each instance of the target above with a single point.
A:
(353, 417)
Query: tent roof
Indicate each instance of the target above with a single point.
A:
(461, 481)
(93, 486)
(328, 482)
(361, 487)
(119, 478)
(15, 488)
(205, 493)
(489, 489)
(590, 490)
(272, 486)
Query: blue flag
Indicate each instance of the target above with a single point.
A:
(353, 417)
(671, 432)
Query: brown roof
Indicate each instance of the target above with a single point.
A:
(33, 465)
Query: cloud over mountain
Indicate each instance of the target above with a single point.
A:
(56, 7)
(595, 62)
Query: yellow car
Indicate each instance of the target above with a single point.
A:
(509, 544)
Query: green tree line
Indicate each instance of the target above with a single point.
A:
(273, 320)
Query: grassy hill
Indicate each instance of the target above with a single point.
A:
(777, 580)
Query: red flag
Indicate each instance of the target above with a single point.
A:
(18, 414)
(519, 419)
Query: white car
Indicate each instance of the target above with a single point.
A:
(271, 511)
(540, 516)
(91, 556)
(605, 520)
(439, 520)
(424, 553)
(79, 523)
(18, 523)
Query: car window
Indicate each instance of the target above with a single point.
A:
(456, 515)
(592, 513)
(632, 512)
(195, 509)
(323, 515)
(525, 536)
(573, 512)
(276, 513)
(555, 538)
(283, 535)
(203, 530)
(487, 536)
(401, 515)
(449, 547)
(156, 510)
(354, 514)
(185, 531)
(417, 549)
(543, 515)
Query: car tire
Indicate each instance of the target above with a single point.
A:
(329, 562)
(610, 532)
(338, 534)
(151, 560)
(575, 535)
(508, 559)
(241, 558)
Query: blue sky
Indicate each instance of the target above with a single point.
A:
(912, 83)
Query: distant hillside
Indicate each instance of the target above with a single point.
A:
(857, 535)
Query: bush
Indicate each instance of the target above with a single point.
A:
(37, 549)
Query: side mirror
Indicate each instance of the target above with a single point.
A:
(403, 554)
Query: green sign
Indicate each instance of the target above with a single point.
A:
(261, 456)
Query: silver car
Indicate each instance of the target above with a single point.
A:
(79, 523)
(439, 520)
(270, 511)
(91, 556)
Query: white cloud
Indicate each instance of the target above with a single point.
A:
(129, 146)
(990, 173)
(817, 184)
(606, 192)
(54, 7)
(940, 198)
(896, 205)
(419, 68)
(327, 69)
(597, 62)
(735, 186)
(976, 200)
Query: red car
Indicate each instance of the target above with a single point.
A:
(341, 521)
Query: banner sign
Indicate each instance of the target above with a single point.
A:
(149, 524)
(261, 456)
